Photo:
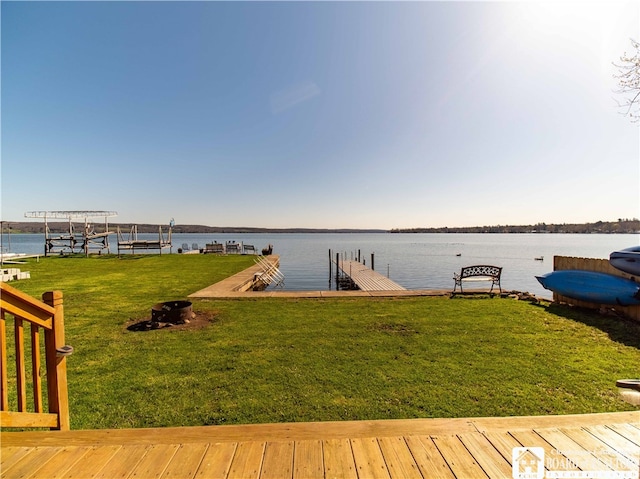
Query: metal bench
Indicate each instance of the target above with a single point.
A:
(478, 273)
(232, 248)
(214, 248)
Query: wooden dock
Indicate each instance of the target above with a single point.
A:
(367, 279)
(405, 449)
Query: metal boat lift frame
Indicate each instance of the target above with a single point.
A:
(131, 241)
(71, 241)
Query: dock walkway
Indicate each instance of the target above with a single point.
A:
(237, 284)
(367, 279)
(602, 445)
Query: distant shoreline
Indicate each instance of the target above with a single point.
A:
(600, 227)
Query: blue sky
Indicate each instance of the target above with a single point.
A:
(319, 114)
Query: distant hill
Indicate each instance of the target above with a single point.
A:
(62, 226)
(607, 227)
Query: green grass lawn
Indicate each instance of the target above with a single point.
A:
(276, 360)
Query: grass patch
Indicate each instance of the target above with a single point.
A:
(276, 360)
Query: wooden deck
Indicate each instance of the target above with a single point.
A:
(417, 448)
(367, 279)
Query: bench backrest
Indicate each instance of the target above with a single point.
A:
(481, 270)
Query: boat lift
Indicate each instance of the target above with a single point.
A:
(132, 242)
(72, 241)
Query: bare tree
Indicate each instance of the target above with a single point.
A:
(628, 77)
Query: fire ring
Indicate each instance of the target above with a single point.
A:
(174, 312)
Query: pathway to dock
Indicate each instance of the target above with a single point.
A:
(367, 279)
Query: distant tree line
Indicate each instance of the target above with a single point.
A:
(602, 227)
(620, 226)
(63, 226)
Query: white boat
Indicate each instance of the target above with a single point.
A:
(16, 257)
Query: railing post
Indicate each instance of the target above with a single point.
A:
(57, 366)
(4, 383)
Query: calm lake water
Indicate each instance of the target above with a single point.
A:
(413, 260)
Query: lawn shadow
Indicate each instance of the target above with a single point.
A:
(619, 328)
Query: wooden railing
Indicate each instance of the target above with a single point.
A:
(49, 317)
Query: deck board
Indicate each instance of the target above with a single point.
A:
(247, 461)
(154, 462)
(24, 466)
(503, 442)
(338, 459)
(532, 439)
(186, 461)
(369, 459)
(605, 455)
(623, 444)
(278, 460)
(459, 459)
(628, 430)
(487, 456)
(428, 459)
(418, 448)
(11, 455)
(90, 464)
(217, 461)
(307, 461)
(398, 458)
(565, 447)
(123, 462)
(60, 463)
